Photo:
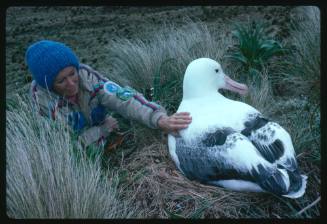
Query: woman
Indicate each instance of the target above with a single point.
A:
(79, 94)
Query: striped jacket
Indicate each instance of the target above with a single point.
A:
(96, 96)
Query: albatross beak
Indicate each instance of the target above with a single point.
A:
(235, 86)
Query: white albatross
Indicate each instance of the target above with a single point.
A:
(230, 143)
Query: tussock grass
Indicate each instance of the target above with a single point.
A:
(48, 175)
(160, 62)
(260, 93)
(300, 73)
(301, 69)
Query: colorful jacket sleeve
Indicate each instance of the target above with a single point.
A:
(45, 101)
(47, 105)
(126, 101)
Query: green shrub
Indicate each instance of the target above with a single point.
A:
(254, 48)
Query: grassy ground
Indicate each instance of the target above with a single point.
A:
(151, 47)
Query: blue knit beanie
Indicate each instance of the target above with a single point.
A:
(45, 59)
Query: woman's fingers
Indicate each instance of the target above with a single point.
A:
(178, 126)
(181, 118)
(112, 123)
(182, 115)
(181, 121)
(175, 122)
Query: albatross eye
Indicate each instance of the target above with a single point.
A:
(217, 70)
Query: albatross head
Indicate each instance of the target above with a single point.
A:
(204, 76)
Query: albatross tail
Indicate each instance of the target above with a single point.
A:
(285, 183)
(298, 185)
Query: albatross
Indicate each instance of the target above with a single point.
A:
(230, 143)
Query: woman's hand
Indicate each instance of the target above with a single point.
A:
(110, 124)
(172, 124)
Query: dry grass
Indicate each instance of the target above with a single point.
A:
(301, 69)
(49, 176)
(160, 62)
(163, 192)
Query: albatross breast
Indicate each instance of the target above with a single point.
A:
(209, 114)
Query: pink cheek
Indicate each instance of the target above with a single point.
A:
(72, 83)
(75, 81)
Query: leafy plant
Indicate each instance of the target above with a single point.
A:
(254, 48)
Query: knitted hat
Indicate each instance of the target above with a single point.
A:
(46, 59)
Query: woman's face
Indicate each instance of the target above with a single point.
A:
(66, 83)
